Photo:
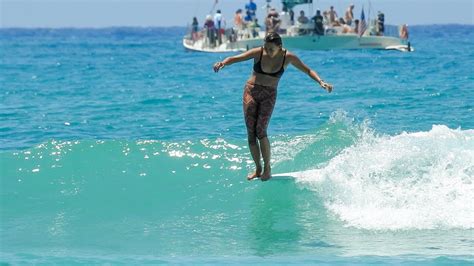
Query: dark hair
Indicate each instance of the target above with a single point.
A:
(273, 37)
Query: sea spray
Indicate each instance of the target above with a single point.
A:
(420, 180)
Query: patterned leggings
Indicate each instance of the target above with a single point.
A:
(258, 104)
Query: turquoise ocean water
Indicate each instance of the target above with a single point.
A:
(118, 146)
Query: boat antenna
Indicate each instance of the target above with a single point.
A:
(368, 16)
(213, 6)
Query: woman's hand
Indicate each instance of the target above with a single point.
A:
(218, 66)
(326, 86)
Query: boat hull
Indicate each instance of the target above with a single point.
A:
(309, 42)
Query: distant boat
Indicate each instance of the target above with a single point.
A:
(298, 36)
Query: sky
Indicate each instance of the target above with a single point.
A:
(165, 13)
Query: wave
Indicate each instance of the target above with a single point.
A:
(418, 180)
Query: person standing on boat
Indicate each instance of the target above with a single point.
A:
(349, 16)
(272, 22)
(404, 32)
(380, 23)
(326, 18)
(252, 8)
(238, 20)
(318, 23)
(356, 26)
(210, 31)
(218, 23)
(285, 20)
(332, 16)
(260, 92)
(195, 29)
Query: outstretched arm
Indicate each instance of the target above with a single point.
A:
(294, 60)
(252, 53)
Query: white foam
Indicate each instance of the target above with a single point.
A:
(419, 180)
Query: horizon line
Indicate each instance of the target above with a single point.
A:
(137, 26)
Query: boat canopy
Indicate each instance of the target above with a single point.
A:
(291, 3)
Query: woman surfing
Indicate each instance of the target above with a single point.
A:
(260, 94)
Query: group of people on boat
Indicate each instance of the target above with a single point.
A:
(215, 26)
(321, 23)
(246, 25)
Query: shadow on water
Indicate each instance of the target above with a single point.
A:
(274, 227)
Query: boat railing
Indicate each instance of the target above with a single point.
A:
(309, 29)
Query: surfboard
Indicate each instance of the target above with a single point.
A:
(299, 175)
(282, 176)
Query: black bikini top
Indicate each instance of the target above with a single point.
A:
(257, 67)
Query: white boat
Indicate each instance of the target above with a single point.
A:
(306, 42)
(299, 36)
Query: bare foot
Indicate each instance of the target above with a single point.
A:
(267, 174)
(255, 174)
